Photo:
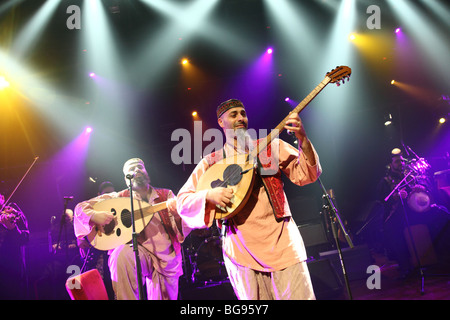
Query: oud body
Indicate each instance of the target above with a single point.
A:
(237, 173)
(119, 231)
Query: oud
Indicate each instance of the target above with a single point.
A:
(238, 172)
(119, 230)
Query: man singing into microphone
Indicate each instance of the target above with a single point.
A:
(159, 242)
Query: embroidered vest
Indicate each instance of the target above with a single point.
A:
(270, 175)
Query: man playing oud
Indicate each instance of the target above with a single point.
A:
(158, 243)
(263, 250)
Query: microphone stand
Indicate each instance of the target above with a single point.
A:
(413, 243)
(330, 208)
(134, 242)
(408, 227)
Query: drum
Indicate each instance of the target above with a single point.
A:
(209, 266)
(419, 199)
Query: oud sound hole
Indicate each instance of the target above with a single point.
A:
(109, 228)
(231, 177)
(125, 216)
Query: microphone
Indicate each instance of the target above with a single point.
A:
(130, 175)
(68, 198)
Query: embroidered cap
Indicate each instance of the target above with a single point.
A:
(226, 105)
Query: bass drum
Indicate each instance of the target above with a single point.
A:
(209, 266)
(419, 199)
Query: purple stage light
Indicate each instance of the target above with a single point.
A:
(92, 74)
(88, 130)
(269, 51)
(398, 30)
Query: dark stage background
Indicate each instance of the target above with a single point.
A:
(142, 93)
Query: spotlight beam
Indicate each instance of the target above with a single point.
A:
(30, 34)
(34, 89)
(294, 27)
(428, 38)
(185, 19)
(338, 51)
(6, 6)
(98, 40)
(439, 10)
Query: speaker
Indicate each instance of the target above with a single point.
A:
(313, 234)
(326, 282)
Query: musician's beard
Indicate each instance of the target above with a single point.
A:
(244, 140)
(141, 181)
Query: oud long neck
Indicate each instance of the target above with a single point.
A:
(151, 209)
(278, 129)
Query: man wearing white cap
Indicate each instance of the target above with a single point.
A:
(159, 242)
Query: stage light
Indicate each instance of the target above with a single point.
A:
(189, 19)
(388, 120)
(398, 30)
(194, 114)
(269, 51)
(3, 83)
(88, 130)
(184, 61)
(99, 41)
(442, 120)
(393, 82)
(352, 37)
(288, 19)
(424, 35)
(287, 99)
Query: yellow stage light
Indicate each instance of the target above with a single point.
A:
(3, 83)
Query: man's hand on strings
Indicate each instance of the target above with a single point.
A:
(220, 196)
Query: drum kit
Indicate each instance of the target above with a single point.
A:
(426, 191)
(420, 198)
(203, 260)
